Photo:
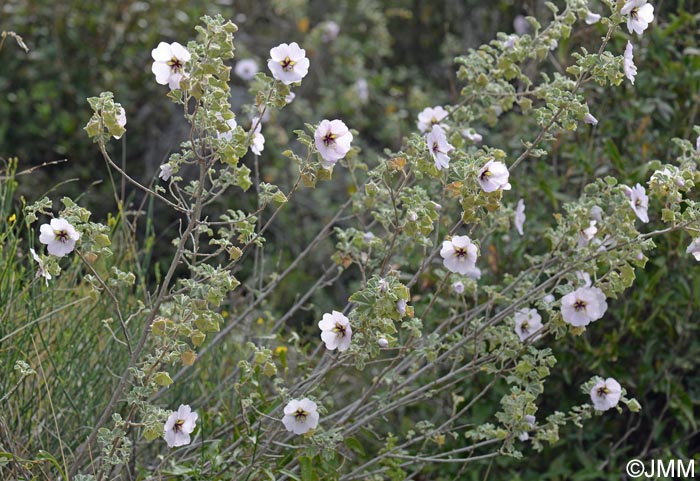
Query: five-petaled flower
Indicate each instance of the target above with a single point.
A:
(694, 248)
(641, 14)
(439, 147)
(431, 116)
(332, 138)
(300, 416)
(59, 236)
(246, 68)
(606, 394)
(520, 216)
(459, 255)
(179, 426)
(288, 63)
(494, 176)
(628, 65)
(527, 322)
(41, 272)
(257, 142)
(639, 201)
(336, 331)
(169, 63)
(584, 305)
(166, 171)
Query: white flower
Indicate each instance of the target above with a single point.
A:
(169, 63)
(300, 416)
(530, 420)
(641, 14)
(458, 287)
(584, 278)
(430, 116)
(520, 216)
(628, 63)
(333, 140)
(606, 394)
(257, 144)
(401, 306)
(41, 272)
(527, 322)
(383, 285)
(383, 343)
(166, 171)
(367, 236)
(596, 213)
(362, 90)
(179, 426)
(510, 42)
(121, 120)
(585, 235)
(548, 299)
(472, 135)
(592, 18)
(639, 202)
(412, 216)
(693, 248)
(59, 236)
(521, 25)
(289, 98)
(459, 254)
(473, 273)
(439, 147)
(330, 31)
(437, 206)
(228, 135)
(246, 69)
(494, 176)
(288, 63)
(697, 143)
(589, 119)
(584, 305)
(336, 331)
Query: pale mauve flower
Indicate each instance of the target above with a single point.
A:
(169, 64)
(179, 426)
(288, 63)
(606, 394)
(59, 236)
(300, 416)
(641, 14)
(336, 331)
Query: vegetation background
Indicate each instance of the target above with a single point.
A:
(405, 50)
